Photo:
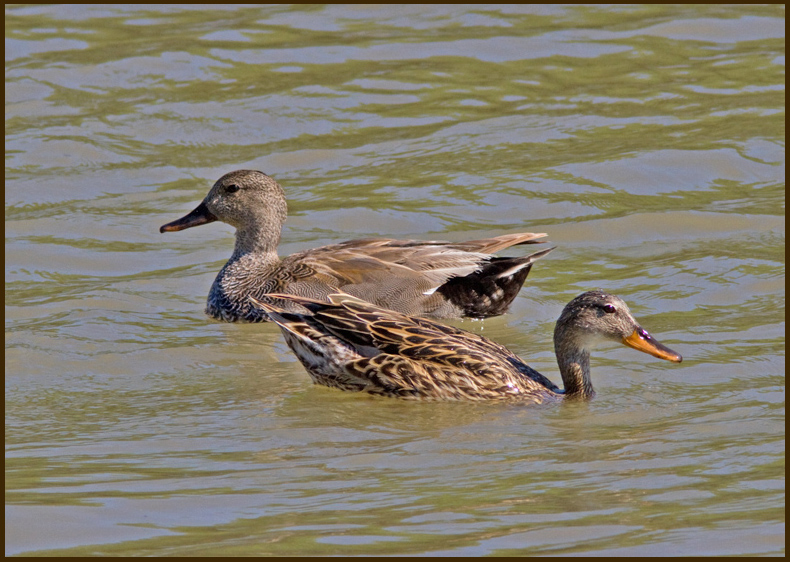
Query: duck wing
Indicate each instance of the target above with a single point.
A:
(410, 275)
(383, 352)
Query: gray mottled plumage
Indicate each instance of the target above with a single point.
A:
(438, 279)
(353, 345)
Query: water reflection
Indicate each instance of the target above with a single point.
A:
(647, 140)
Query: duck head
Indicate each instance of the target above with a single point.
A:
(596, 317)
(245, 199)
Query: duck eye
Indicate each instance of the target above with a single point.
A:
(232, 188)
(609, 309)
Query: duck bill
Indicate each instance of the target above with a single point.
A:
(201, 215)
(643, 341)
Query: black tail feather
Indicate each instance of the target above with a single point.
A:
(489, 291)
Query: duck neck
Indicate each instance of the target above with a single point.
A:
(258, 241)
(574, 363)
(575, 373)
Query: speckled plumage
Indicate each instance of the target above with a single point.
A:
(437, 279)
(353, 345)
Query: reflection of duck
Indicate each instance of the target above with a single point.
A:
(438, 279)
(354, 345)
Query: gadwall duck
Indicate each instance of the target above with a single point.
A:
(437, 279)
(353, 345)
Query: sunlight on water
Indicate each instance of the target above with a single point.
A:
(648, 141)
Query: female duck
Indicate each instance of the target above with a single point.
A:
(354, 345)
(437, 279)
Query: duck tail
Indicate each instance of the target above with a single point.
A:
(490, 290)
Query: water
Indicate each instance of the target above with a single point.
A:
(648, 141)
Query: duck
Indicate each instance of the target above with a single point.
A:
(349, 344)
(418, 278)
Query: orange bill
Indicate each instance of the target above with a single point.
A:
(643, 341)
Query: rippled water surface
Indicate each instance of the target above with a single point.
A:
(647, 141)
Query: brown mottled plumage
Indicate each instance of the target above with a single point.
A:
(353, 345)
(437, 279)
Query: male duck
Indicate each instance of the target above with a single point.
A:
(437, 279)
(353, 345)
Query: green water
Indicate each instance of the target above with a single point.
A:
(647, 141)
